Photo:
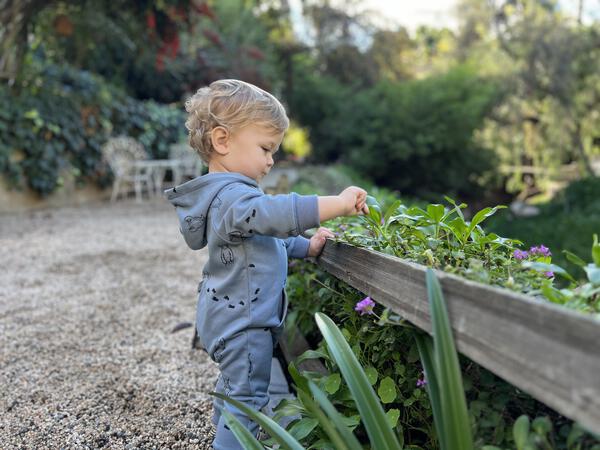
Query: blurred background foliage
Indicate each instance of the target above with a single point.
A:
(502, 107)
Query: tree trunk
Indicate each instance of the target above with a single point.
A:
(15, 17)
(581, 149)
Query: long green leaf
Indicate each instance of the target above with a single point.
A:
(336, 418)
(380, 433)
(374, 209)
(300, 381)
(425, 346)
(339, 434)
(275, 431)
(482, 215)
(391, 211)
(574, 258)
(457, 208)
(457, 426)
(596, 251)
(243, 435)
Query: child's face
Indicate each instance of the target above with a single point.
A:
(251, 151)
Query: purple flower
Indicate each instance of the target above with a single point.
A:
(422, 381)
(365, 306)
(520, 254)
(542, 250)
(292, 263)
(545, 251)
(382, 221)
(549, 274)
(343, 227)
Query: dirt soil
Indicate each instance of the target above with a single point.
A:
(89, 297)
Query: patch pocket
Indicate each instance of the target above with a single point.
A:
(283, 307)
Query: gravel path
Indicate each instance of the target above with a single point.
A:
(88, 299)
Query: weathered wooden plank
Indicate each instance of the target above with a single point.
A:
(547, 351)
(293, 344)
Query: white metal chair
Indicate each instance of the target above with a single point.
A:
(126, 158)
(187, 162)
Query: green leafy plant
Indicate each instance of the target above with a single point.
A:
(441, 237)
(390, 358)
(444, 380)
(566, 222)
(581, 296)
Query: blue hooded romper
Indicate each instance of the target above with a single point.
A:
(241, 299)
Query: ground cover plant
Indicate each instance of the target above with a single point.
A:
(441, 237)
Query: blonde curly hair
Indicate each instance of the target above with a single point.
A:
(232, 104)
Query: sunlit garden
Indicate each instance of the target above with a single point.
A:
(460, 311)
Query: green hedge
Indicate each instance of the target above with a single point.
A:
(417, 137)
(57, 118)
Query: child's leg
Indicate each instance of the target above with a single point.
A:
(245, 367)
(217, 402)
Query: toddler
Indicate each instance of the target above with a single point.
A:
(236, 128)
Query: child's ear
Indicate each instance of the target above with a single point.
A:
(220, 139)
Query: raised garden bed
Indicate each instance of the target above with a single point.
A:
(548, 351)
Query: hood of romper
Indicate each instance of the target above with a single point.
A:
(193, 199)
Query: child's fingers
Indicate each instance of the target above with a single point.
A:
(325, 233)
(362, 195)
(362, 207)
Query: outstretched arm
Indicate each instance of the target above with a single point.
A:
(350, 202)
(245, 212)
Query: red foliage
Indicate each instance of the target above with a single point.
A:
(169, 50)
(63, 25)
(177, 14)
(255, 53)
(205, 10)
(213, 37)
(151, 20)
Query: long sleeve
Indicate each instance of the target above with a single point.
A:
(244, 212)
(297, 246)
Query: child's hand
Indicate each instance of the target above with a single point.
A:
(317, 241)
(354, 200)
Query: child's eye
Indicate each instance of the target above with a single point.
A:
(266, 149)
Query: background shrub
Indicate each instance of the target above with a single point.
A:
(60, 117)
(417, 136)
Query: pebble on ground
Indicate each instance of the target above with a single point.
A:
(88, 299)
